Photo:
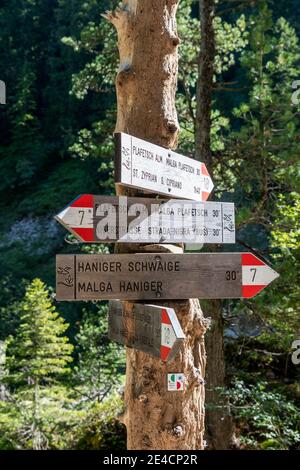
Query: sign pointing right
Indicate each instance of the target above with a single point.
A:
(148, 328)
(256, 275)
(143, 165)
(161, 276)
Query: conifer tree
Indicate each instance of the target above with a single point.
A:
(38, 352)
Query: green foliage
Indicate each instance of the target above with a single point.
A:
(26, 137)
(38, 351)
(278, 306)
(98, 40)
(262, 167)
(10, 296)
(59, 69)
(286, 231)
(282, 301)
(263, 153)
(64, 422)
(231, 38)
(63, 184)
(100, 430)
(266, 418)
(57, 419)
(101, 363)
(37, 354)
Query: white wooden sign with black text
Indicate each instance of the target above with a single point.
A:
(155, 169)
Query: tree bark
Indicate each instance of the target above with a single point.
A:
(218, 422)
(147, 78)
(205, 82)
(146, 86)
(36, 432)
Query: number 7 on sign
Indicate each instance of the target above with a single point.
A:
(82, 216)
(253, 270)
(256, 275)
(79, 216)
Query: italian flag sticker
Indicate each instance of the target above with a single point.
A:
(176, 382)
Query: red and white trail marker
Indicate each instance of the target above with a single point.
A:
(256, 275)
(78, 217)
(171, 334)
(148, 328)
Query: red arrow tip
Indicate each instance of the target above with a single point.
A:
(86, 234)
(165, 317)
(84, 200)
(251, 291)
(205, 196)
(164, 352)
(248, 259)
(204, 170)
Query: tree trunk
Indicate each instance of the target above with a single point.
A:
(219, 426)
(205, 82)
(218, 420)
(146, 86)
(36, 433)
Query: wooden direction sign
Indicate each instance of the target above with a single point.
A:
(146, 166)
(161, 276)
(148, 328)
(107, 219)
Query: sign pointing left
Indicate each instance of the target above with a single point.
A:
(148, 328)
(108, 219)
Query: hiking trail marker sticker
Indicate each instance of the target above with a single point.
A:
(176, 382)
(151, 329)
(142, 165)
(161, 276)
(110, 219)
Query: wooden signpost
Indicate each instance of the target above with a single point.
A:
(155, 169)
(148, 328)
(161, 276)
(107, 219)
(146, 86)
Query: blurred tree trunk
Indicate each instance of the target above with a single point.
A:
(218, 422)
(205, 82)
(146, 87)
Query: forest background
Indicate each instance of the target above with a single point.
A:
(61, 380)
